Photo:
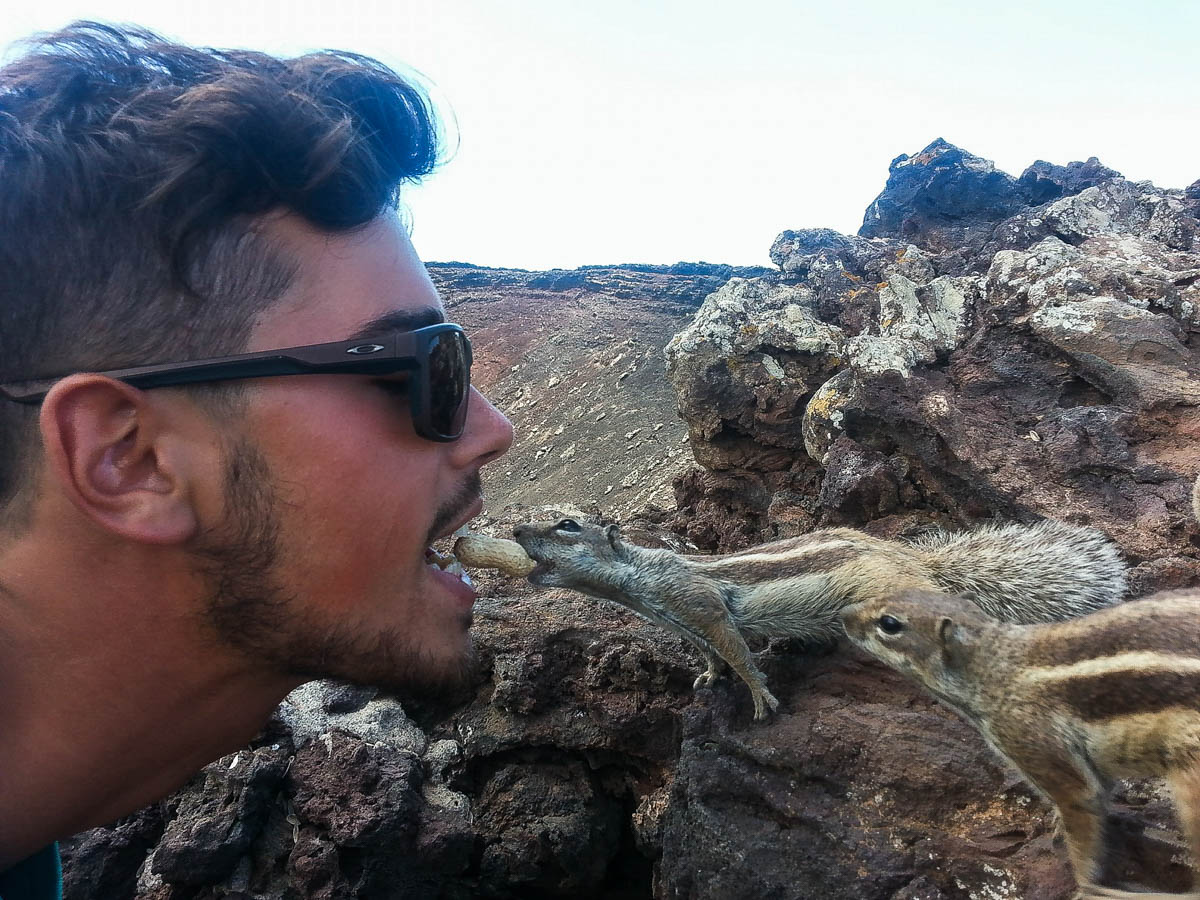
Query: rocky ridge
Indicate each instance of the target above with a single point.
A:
(985, 347)
(958, 361)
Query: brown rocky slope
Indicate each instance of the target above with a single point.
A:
(986, 347)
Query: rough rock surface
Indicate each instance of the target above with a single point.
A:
(987, 347)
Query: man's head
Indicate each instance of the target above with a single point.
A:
(136, 173)
(165, 204)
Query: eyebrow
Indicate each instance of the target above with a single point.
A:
(399, 321)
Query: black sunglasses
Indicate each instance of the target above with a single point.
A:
(439, 357)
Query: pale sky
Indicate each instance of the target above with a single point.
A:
(606, 131)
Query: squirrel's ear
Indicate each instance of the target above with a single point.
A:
(945, 630)
(613, 532)
(955, 640)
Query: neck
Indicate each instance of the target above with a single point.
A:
(970, 671)
(633, 581)
(109, 689)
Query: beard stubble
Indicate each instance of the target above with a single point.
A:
(248, 608)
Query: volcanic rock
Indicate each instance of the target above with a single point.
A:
(943, 199)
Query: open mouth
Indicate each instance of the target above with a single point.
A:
(543, 567)
(447, 563)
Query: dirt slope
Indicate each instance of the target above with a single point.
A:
(575, 360)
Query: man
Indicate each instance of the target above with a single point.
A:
(183, 544)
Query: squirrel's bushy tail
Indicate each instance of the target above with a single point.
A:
(1028, 573)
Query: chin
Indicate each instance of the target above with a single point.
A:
(394, 659)
(439, 677)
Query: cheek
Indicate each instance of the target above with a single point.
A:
(342, 451)
(885, 654)
(356, 502)
(860, 635)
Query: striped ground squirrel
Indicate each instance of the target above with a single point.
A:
(797, 587)
(1073, 705)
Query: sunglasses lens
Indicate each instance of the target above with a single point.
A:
(449, 383)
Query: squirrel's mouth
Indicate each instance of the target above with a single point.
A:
(544, 566)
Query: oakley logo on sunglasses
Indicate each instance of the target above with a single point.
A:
(366, 348)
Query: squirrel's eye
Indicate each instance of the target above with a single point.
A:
(568, 525)
(890, 625)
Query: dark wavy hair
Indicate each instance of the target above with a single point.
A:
(132, 173)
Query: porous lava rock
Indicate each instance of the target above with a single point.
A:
(943, 198)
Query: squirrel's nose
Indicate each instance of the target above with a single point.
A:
(520, 530)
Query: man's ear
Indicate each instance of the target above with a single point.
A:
(120, 459)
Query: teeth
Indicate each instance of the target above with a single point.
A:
(448, 564)
(455, 568)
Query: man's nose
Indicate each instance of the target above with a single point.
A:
(488, 433)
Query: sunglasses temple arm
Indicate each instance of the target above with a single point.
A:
(326, 358)
(146, 377)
